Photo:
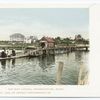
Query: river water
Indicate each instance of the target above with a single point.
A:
(42, 70)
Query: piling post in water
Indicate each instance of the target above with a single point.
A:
(84, 80)
(80, 75)
(59, 73)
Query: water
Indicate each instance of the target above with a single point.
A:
(42, 70)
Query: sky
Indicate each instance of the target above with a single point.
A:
(52, 22)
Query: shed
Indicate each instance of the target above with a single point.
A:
(47, 42)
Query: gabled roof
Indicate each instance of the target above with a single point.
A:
(48, 39)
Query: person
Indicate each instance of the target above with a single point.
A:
(3, 54)
(13, 52)
(8, 53)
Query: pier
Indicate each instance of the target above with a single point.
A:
(56, 50)
(47, 51)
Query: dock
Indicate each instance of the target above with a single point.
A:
(14, 57)
(56, 50)
(47, 51)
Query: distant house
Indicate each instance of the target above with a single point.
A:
(31, 39)
(47, 42)
(17, 37)
(78, 37)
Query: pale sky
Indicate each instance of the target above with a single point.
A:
(40, 22)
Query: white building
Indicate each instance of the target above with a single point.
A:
(31, 39)
(17, 37)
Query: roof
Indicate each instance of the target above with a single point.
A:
(48, 39)
(17, 35)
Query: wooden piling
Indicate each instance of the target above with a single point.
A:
(59, 73)
(80, 75)
(84, 80)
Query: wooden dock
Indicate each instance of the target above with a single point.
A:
(48, 51)
(56, 50)
(14, 57)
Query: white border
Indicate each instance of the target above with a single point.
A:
(44, 5)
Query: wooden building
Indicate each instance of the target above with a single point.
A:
(47, 42)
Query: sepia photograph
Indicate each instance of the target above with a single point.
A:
(44, 46)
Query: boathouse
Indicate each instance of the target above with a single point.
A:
(47, 42)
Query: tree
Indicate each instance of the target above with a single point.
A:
(66, 41)
(57, 40)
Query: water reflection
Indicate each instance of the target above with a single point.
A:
(67, 54)
(45, 61)
(3, 63)
(7, 63)
(13, 63)
(78, 55)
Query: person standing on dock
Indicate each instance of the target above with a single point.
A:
(13, 52)
(3, 53)
(8, 53)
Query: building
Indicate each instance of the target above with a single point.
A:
(17, 37)
(31, 39)
(78, 37)
(47, 42)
